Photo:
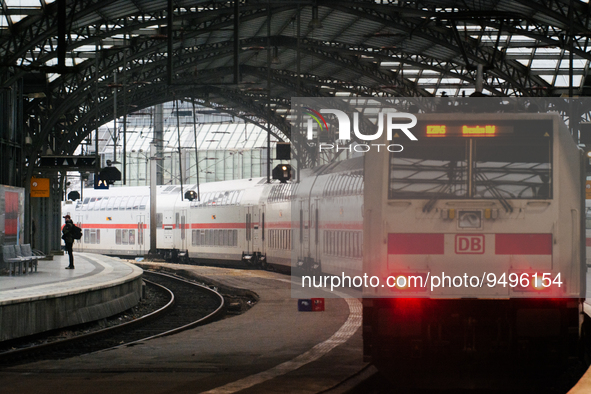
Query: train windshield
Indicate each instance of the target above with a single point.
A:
(513, 163)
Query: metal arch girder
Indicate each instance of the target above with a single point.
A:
(83, 96)
(111, 63)
(155, 94)
(213, 51)
(152, 97)
(86, 8)
(112, 67)
(362, 68)
(219, 15)
(508, 70)
(37, 29)
(387, 54)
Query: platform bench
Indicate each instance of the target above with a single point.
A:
(17, 262)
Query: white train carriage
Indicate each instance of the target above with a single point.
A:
(279, 237)
(491, 196)
(226, 224)
(114, 221)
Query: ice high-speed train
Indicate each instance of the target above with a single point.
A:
(242, 221)
(494, 204)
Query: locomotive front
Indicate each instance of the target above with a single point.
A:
(476, 233)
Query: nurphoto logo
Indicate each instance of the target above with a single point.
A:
(395, 122)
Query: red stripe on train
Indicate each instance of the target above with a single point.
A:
(415, 243)
(532, 244)
(218, 225)
(132, 226)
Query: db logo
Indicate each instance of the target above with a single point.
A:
(469, 244)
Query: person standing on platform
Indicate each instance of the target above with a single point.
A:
(68, 238)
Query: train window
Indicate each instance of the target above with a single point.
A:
(104, 203)
(202, 236)
(285, 239)
(84, 204)
(341, 188)
(239, 198)
(86, 235)
(93, 236)
(514, 165)
(158, 220)
(349, 244)
(132, 237)
(110, 203)
(518, 168)
(125, 237)
(118, 236)
(123, 203)
(360, 244)
(144, 202)
(118, 203)
(130, 202)
(207, 237)
(137, 201)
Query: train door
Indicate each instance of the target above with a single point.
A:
(315, 231)
(256, 231)
(141, 234)
(304, 232)
(183, 230)
(168, 225)
(263, 240)
(306, 228)
(248, 228)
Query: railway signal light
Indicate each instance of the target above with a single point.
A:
(191, 195)
(73, 195)
(110, 174)
(282, 172)
(283, 150)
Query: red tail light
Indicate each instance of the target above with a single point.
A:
(415, 282)
(534, 282)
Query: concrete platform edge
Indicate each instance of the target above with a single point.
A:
(59, 309)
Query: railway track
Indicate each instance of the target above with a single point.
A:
(189, 305)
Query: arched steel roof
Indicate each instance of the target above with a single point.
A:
(249, 57)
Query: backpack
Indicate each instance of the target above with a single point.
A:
(76, 232)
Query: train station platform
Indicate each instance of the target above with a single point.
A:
(54, 297)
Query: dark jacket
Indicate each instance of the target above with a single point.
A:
(67, 232)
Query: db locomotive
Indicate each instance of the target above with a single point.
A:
(480, 223)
